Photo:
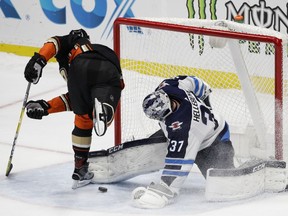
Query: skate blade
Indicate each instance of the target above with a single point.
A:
(77, 183)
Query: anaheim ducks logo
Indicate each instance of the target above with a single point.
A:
(176, 125)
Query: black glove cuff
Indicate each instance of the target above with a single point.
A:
(45, 106)
(39, 59)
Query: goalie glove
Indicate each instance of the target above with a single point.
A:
(33, 69)
(154, 196)
(37, 109)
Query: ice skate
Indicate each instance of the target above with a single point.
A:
(82, 176)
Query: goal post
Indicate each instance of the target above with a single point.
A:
(246, 66)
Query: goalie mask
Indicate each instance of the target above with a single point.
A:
(157, 105)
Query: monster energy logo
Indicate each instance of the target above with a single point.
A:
(202, 15)
(260, 14)
(202, 9)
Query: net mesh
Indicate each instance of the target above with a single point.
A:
(149, 54)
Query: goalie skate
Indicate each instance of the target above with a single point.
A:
(99, 118)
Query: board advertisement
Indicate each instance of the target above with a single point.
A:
(31, 22)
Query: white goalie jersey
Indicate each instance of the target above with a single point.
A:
(189, 129)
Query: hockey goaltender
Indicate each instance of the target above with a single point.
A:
(187, 136)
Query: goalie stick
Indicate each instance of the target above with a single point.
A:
(10, 165)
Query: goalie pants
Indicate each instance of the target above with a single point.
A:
(219, 155)
(90, 77)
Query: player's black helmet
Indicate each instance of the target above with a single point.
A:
(80, 33)
(157, 105)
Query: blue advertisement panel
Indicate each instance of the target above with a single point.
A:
(32, 21)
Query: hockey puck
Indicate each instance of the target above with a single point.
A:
(102, 189)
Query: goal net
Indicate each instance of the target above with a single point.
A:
(246, 67)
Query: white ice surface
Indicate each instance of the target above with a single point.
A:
(40, 182)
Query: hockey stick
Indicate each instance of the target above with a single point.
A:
(10, 165)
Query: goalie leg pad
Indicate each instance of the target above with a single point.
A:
(128, 160)
(275, 176)
(251, 179)
(235, 184)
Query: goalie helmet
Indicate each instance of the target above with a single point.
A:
(157, 105)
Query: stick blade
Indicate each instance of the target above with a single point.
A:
(9, 168)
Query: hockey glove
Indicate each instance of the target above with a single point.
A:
(37, 109)
(33, 69)
(154, 196)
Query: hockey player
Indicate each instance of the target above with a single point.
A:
(196, 134)
(94, 80)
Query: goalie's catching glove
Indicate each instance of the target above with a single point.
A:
(33, 69)
(37, 109)
(154, 196)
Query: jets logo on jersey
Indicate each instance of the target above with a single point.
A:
(176, 125)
